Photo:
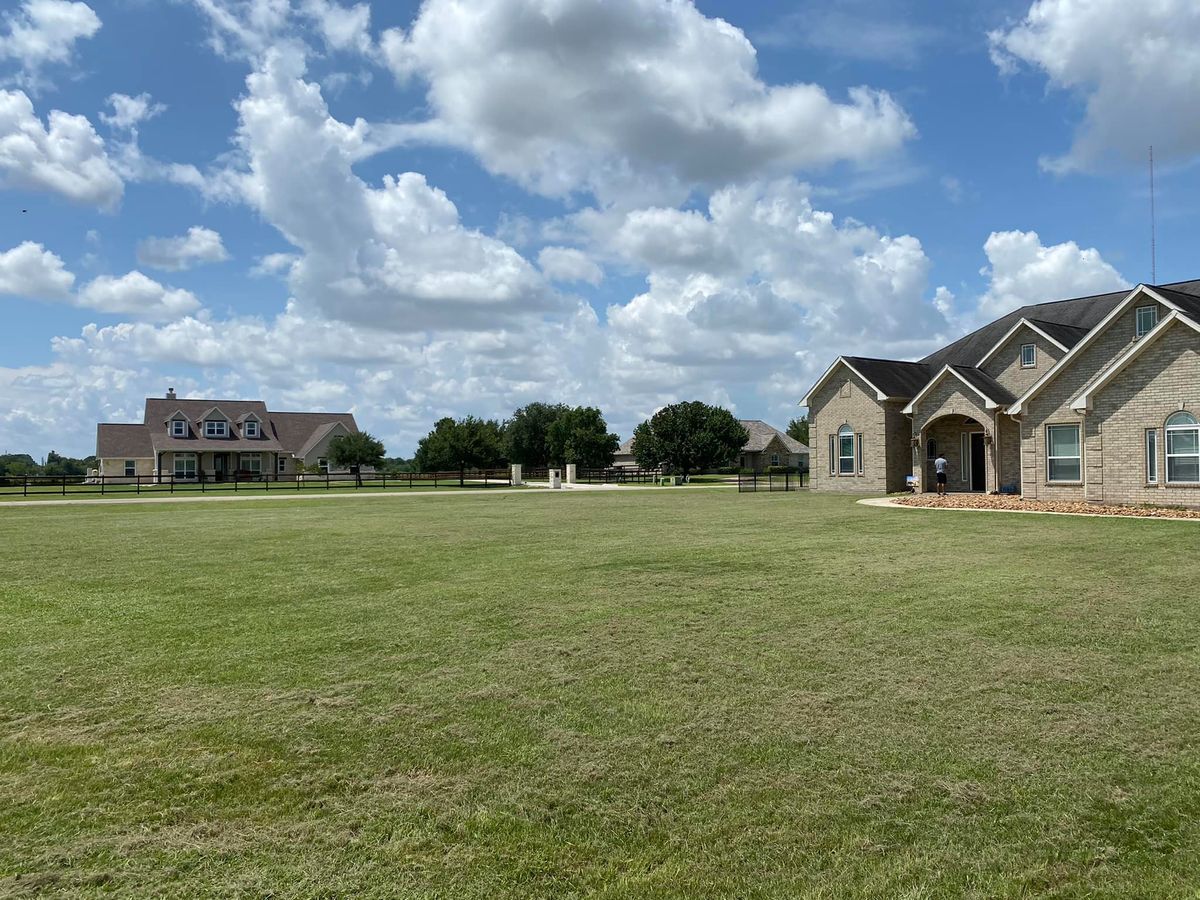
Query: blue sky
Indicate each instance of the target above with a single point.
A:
(414, 210)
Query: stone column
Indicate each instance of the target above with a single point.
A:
(555, 479)
(515, 474)
(570, 473)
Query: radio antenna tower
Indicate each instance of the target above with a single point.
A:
(1153, 230)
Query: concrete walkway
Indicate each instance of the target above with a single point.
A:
(892, 504)
(346, 493)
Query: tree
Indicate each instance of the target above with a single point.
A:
(19, 464)
(355, 451)
(526, 433)
(462, 444)
(797, 430)
(581, 436)
(688, 437)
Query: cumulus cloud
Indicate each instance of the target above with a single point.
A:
(569, 264)
(44, 32)
(174, 254)
(1134, 63)
(128, 112)
(1022, 270)
(30, 270)
(64, 157)
(135, 294)
(634, 98)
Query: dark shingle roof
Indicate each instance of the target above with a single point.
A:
(892, 376)
(1190, 303)
(986, 385)
(1067, 335)
(294, 430)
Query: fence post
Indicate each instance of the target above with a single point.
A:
(327, 479)
(137, 485)
(101, 477)
(64, 478)
(267, 483)
(25, 488)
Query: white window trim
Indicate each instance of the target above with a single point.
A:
(1138, 331)
(251, 429)
(222, 426)
(1079, 438)
(846, 432)
(1032, 364)
(130, 464)
(281, 465)
(178, 428)
(774, 459)
(183, 458)
(1151, 456)
(1167, 431)
(323, 465)
(250, 457)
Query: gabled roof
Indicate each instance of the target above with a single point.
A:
(1045, 329)
(119, 441)
(319, 435)
(891, 379)
(1169, 298)
(994, 394)
(178, 414)
(294, 430)
(1084, 399)
(761, 434)
(1066, 336)
(208, 415)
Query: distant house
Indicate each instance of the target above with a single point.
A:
(217, 439)
(768, 446)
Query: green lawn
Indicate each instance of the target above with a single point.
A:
(623, 694)
(11, 493)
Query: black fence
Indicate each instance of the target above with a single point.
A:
(159, 485)
(618, 475)
(770, 481)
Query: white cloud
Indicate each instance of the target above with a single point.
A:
(128, 112)
(569, 264)
(136, 295)
(1136, 65)
(1021, 270)
(30, 270)
(274, 264)
(634, 98)
(66, 158)
(174, 254)
(44, 32)
(344, 28)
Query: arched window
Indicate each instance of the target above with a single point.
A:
(1183, 449)
(845, 450)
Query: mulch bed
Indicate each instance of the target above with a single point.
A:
(985, 501)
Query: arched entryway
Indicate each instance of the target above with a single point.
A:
(968, 447)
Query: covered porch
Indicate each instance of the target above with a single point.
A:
(219, 465)
(970, 451)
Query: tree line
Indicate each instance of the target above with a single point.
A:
(54, 464)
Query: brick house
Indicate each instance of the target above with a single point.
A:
(1095, 398)
(217, 439)
(767, 446)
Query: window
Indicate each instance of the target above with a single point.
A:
(130, 468)
(280, 465)
(1063, 458)
(1183, 449)
(1151, 456)
(1028, 356)
(774, 459)
(1147, 318)
(252, 463)
(931, 449)
(860, 455)
(215, 428)
(845, 450)
(185, 465)
(251, 428)
(179, 428)
(833, 454)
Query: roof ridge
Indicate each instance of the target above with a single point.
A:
(905, 362)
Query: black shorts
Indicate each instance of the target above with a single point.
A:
(941, 477)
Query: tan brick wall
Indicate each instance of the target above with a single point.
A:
(847, 400)
(1165, 379)
(1006, 368)
(1052, 407)
(1010, 453)
(939, 414)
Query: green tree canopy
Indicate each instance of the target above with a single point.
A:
(356, 450)
(461, 444)
(797, 430)
(581, 436)
(526, 435)
(688, 437)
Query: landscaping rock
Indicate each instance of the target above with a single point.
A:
(982, 501)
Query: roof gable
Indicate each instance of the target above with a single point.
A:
(1030, 324)
(890, 379)
(993, 393)
(1083, 400)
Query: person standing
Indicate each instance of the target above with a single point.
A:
(939, 468)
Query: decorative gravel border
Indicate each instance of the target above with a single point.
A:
(986, 503)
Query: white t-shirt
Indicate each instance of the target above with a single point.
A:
(939, 465)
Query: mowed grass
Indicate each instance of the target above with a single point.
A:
(626, 694)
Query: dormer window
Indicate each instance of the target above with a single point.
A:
(178, 428)
(1028, 356)
(216, 428)
(1147, 318)
(251, 429)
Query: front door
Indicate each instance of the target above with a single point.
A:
(218, 467)
(978, 463)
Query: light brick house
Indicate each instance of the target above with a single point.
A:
(767, 446)
(1095, 398)
(217, 440)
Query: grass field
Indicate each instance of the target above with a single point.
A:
(9, 493)
(623, 694)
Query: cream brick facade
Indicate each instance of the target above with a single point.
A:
(1154, 383)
